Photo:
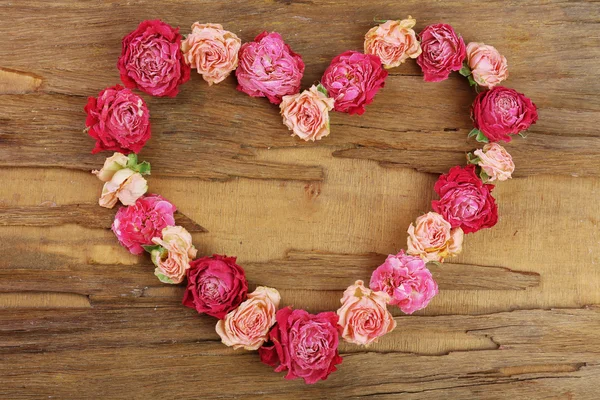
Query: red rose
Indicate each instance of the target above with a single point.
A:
(353, 79)
(443, 52)
(305, 345)
(501, 112)
(151, 59)
(118, 119)
(215, 285)
(465, 201)
(269, 68)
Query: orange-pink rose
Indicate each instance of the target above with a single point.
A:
(433, 239)
(306, 114)
(495, 161)
(121, 182)
(393, 42)
(212, 51)
(487, 65)
(363, 315)
(172, 254)
(248, 325)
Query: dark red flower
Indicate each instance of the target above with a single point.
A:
(151, 59)
(465, 201)
(500, 112)
(215, 285)
(443, 51)
(305, 345)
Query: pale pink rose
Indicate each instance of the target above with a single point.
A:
(393, 42)
(433, 239)
(172, 254)
(112, 164)
(495, 161)
(125, 185)
(248, 325)
(407, 280)
(212, 51)
(487, 65)
(306, 114)
(363, 314)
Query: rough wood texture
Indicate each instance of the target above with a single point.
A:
(518, 312)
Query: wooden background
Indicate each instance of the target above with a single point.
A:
(518, 313)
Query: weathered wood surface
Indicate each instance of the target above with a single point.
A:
(517, 315)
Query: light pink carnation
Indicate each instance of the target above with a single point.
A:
(269, 68)
(137, 224)
(212, 51)
(407, 280)
(495, 161)
(121, 183)
(248, 325)
(433, 239)
(363, 315)
(393, 42)
(306, 114)
(173, 254)
(487, 65)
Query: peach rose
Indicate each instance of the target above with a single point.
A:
(125, 185)
(487, 65)
(111, 165)
(363, 315)
(393, 42)
(248, 325)
(306, 114)
(495, 161)
(433, 239)
(212, 51)
(172, 254)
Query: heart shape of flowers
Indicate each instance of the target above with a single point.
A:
(156, 59)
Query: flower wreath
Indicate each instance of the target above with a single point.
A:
(155, 59)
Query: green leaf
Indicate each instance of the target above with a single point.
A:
(163, 278)
(523, 135)
(151, 248)
(484, 177)
(379, 21)
(322, 89)
(473, 159)
(132, 161)
(465, 70)
(481, 138)
(472, 81)
(474, 132)
(144, 168)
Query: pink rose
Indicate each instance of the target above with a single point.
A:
(212, 51)
(306, 114)
(443, 52)
(501, 112)
(118, 119)
(465, 201)
(172, 254)
(495, 161)
(433, 239)
(393, 42)
(248, 325)
(487, 65)
(269, 68)
(352, 80)
(151, 59)
(305, 345)
(215, 285)
(407, 280)
(363, 314)
(137, 224)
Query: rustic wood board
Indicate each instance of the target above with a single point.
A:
(518, 314)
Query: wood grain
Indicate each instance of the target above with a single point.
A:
(518, 312)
